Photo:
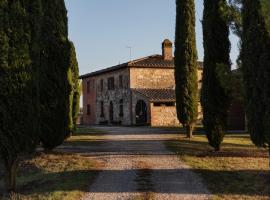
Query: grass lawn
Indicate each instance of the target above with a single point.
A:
(87, 131)
(55, 176)
(85, 136)
(239, 171)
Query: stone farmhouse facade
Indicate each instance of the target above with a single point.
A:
(139, 92)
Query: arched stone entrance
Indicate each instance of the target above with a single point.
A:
(141, 113)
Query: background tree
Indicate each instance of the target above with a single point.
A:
(186, 65)
(231, 10)
(255, 57)
(215, 97)
(55, 81)
(19, 33)
(76, 90)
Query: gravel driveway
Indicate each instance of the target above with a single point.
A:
(137, 166)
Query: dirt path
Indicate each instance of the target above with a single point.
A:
(138, 166)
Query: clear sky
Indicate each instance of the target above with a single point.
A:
(103, 29)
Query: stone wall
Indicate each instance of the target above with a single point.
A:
(163, 116)
(89, 98)
(152, 78)
(113, 96)
(156, 78)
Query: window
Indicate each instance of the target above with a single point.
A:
(101, 85)
(120, 82)
(101, 109)
(88, 109)
(169, 104)
(111, 83)
(88, 87)
(93, 85)
(121, 108)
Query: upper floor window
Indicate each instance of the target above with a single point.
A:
(111, 83)
(88, 87)
(93, 84)
(121, 108)
(88, 109)
(101, 82)
(121, 81)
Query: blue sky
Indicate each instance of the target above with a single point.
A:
(103, 29)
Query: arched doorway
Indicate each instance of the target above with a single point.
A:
(111, 112)
(141, 113)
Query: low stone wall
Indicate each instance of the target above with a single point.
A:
(164, 116)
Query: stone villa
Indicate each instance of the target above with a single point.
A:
(139, 92)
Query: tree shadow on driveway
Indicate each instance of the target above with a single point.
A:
(164, 182)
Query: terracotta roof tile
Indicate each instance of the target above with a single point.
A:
(155, 61)
(157, 95)
(152, 61)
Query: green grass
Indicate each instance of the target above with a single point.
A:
(55, 176)
(85, 136)
(84, 130)
(238, 171)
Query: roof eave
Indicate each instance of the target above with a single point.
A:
(162, 101)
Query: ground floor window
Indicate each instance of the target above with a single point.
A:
(121, 108)
(101, 109)
(111, 112)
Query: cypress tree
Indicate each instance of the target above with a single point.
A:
(18, 82)
(255, 57)
(217, 67)
(55, 80)
(186, 65)
(76, 93)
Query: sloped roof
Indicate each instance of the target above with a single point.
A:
(157, 95)
(154, 61)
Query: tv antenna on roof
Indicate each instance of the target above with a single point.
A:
(130, 51)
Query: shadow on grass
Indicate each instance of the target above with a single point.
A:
(242, 183)
(110, 147)
(202, 149)
(152, 147)
(44, 174)
(88, 131)
(60, 181)
(37, 184)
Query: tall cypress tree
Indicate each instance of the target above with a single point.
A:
(217, 67)
(55, 80)
(186, 65)
(18, 82)
(255, 57)
(76, 93)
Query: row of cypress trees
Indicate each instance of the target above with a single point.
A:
(254, 30)
(38, 80)
(215, 95)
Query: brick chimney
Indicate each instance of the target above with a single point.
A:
(167, 50)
